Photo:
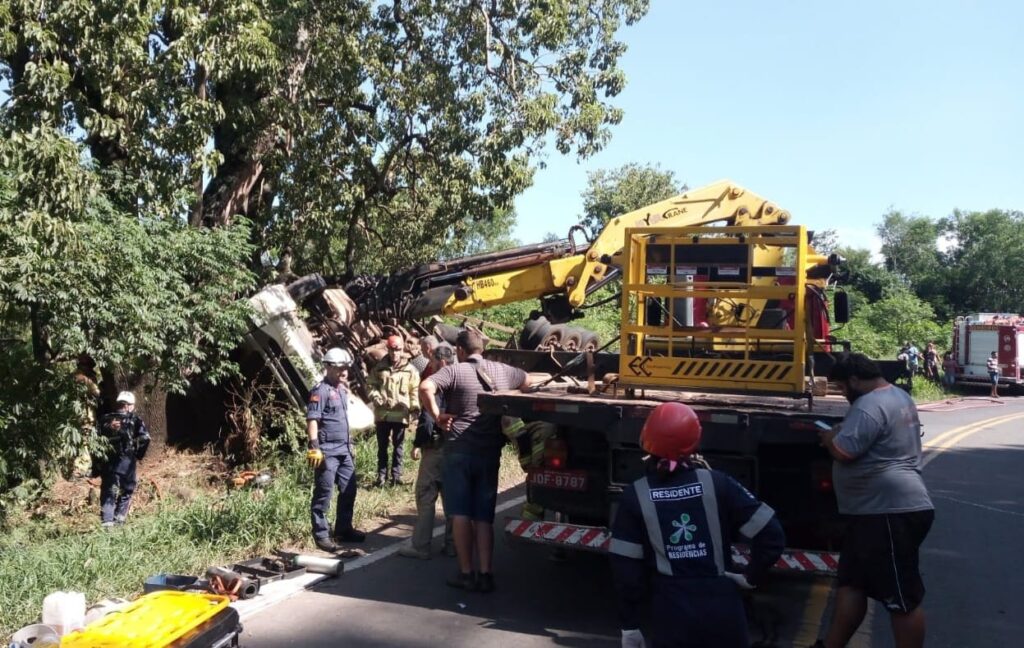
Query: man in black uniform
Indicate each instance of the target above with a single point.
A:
(671, 542)
(128, 439)
(330, 453)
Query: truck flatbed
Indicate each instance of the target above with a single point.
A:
(829, 407)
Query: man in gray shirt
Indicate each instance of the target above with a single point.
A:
(472, 452)
(878, 484)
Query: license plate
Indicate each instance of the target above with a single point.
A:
(574, 480)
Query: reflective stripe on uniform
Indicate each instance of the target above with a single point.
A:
(650, 515)
(762, 516)
(710, 502)
(626, 549)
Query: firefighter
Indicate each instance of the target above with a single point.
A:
(671, 542)
(393, 386)
(330, 453)
(530, 440)
(128, 439)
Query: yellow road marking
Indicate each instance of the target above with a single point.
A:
(946, 441)
(814, 612)
(930, 443)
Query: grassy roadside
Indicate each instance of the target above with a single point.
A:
(927, 391)
(174, 536)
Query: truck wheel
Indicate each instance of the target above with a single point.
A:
(534, 331)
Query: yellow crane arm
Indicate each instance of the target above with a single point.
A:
(574, 275)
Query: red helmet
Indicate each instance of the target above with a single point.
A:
(671, 431)
(394, 342)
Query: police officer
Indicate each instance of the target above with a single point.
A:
(330, 453)
(128, 441)
(671, 542)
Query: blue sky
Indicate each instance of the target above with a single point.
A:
(836, 112)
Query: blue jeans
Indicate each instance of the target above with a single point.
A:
(470, 486)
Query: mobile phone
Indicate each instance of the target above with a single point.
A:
(822, 425)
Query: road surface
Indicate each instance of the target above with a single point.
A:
(974, 459)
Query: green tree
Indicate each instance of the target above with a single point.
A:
(81, 279)
(986, 250)
(866, 281)
(909, 245)
(329, 126)
(610, 193)
(880, 328)
(826, 241)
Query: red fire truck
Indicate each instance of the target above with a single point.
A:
(977, 335)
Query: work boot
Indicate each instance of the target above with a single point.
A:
(352, 535)
(413, 552)
(485, 582)
(463, 581)
(328, 545)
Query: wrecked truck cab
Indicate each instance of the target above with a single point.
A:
(291, 350)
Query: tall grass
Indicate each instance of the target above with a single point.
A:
(48, 555)
(926, 391)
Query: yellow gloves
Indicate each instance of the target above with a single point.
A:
(314, 457)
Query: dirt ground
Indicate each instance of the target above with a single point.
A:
(171, 474)
(181, 476)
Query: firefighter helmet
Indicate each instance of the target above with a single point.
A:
(126, 397)
(337, 357)
(394, 342)
(672, 431)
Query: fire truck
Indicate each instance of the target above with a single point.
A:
(977, 335)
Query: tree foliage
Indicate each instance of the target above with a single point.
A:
(983, 262)
(611, 193)
(80, 279)
(880, 328)
(329, 126)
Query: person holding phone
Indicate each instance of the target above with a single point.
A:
(879, 489)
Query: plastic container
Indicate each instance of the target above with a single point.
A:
(154, 620)
(64, 611)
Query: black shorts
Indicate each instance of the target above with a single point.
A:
(880, 557)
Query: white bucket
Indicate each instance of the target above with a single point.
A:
(64, 611)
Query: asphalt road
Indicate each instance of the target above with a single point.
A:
(974, 459)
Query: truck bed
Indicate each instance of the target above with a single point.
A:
(828, 408)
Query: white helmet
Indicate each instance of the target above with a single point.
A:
(337, 357)
(126, 397)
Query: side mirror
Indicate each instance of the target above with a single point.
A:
(841, 307)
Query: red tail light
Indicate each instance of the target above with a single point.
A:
(555, 453)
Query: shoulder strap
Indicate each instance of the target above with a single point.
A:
(485, 378)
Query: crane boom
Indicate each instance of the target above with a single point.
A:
(576, 273)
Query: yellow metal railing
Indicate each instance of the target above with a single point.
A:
(716, 308)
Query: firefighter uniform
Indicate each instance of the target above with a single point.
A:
(671, 545)
(328, 406)
(129, 441)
